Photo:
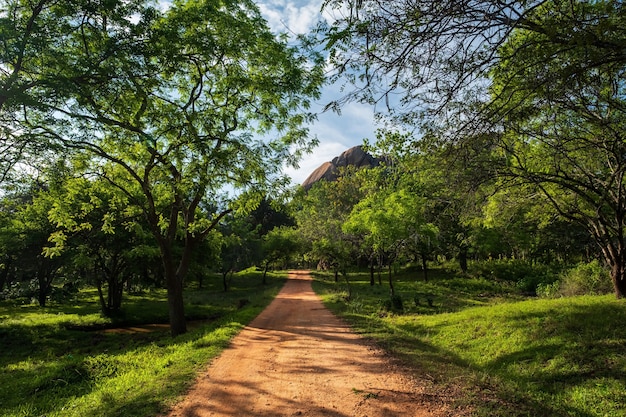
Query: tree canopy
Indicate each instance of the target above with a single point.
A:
(176, 108)
(540, 84)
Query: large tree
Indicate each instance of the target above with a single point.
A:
(563, 119)
(320, 213)
(178, 109)
(433, 57)
(542, 80)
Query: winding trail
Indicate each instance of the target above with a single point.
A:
(298, 359)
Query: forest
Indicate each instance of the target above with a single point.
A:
(142, 147)
(134, 155)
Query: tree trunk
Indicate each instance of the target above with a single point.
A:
(615, 256)
(225, 280)
(103, 305)
(392, 291)
(372, 281)
(463, 258)
(175, 303)
(349, 288)
(42, 293)
(4, 273)
(425, 267)
(45, 277)
(618, 276)
(178, 323)
(267, 265)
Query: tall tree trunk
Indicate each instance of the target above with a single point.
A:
(372, 280)
(425, 266)
(349, 288)
(176, 306)
(618, 272)
(225, 280)
(392, 290)
(103, 304)
(42, 293)
(45, 276)
(614, 251)
(178, 323)
(4, 273)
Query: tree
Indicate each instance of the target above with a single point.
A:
(103, 233)
(37, 39)
(24, 233)
(239, 246)
(542, 80)
(390, 219)
(563, 118)
(450, 185)
(320, 213)
(432, 58)
(280, 243)
(169, 112)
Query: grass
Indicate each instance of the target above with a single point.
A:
(500, 353)
(58, 361)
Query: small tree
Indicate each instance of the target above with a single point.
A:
(279, 244)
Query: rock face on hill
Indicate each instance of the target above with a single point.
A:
(329, 171)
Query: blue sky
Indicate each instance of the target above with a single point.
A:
(335, 133)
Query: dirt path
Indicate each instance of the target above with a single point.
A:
(297, 359)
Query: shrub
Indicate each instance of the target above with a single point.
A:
(592, 278)
(525, 275)
(548, 290)
(393, 304)
(396, 303)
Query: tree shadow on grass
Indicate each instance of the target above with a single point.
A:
(49, 367)
(570, 349)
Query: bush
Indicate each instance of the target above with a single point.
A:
(525, 275)
(25, 290)
(396, 303)
(393, 304)
(548, 290)
(592, 278)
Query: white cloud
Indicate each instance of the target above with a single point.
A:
(336, 133)
(291, 16)
(325, 152)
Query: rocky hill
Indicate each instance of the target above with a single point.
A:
(329, 171)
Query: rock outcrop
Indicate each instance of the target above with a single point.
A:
(329, 171)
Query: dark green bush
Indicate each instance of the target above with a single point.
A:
(396, 303)
(524, 275)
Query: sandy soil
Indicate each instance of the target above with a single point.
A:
(298, 359)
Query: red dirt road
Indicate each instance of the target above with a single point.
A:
(297, 359)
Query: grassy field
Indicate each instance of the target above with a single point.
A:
(67, 360)
(498, 352)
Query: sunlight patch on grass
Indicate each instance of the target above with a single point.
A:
(55, 369)
(510, 356)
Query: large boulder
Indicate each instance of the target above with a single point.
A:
(329, 171)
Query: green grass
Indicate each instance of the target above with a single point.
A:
(499, 353)
(58, 361)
